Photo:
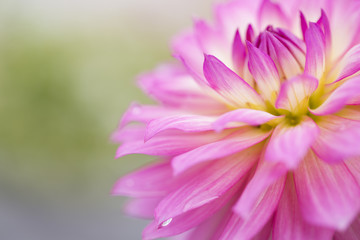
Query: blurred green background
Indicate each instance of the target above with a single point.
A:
(67, 71)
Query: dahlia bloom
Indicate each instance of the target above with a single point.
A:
(256, 126)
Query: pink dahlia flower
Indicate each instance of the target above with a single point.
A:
(257, 126)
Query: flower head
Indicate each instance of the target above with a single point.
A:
(257, 126)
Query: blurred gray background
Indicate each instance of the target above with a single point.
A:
(67, 72)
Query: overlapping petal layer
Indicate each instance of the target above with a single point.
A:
(257, 126)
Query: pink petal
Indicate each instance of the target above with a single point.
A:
(304, 24)
(186, 123)
(295, 93)
(250, 34)
(292, 40)
(271, 13)
(208, 228)
(212, 40)
(189, 219)
(289, 224)
(328, 194)
(145, 113)
(248, 116)
(315, 51)
(285, 61)
(264, 72)
(351, 233)
(323, 22)
(236, 142)
(266, 174)
(186, 48)
(350, 63)
(169, 143)
(142, 207)
(296, 47)
(347, 93)
(238, 54)
(233, 15)
(210, 184)
(128, 133)
(266, 232)
(289, 144)
(338, 139)
(345, 29)
(350, 112)
(249, 227)
(228, 84)
(172, 86)
(150, 181)
(353, 164)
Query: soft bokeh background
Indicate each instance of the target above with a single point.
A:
(67, 72)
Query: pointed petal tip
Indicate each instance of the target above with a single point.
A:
(208, 56)
(117, 189)
(122, 151)
(209, 59)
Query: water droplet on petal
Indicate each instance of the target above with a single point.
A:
(167, 222)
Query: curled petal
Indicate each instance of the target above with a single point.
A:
(323, 22)
(315, 51)
(295, 93)
(286, 63)
(264, 71)
(228, 84)
(328, 194)
(172, 86)
(293, 43)
(238, 53)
